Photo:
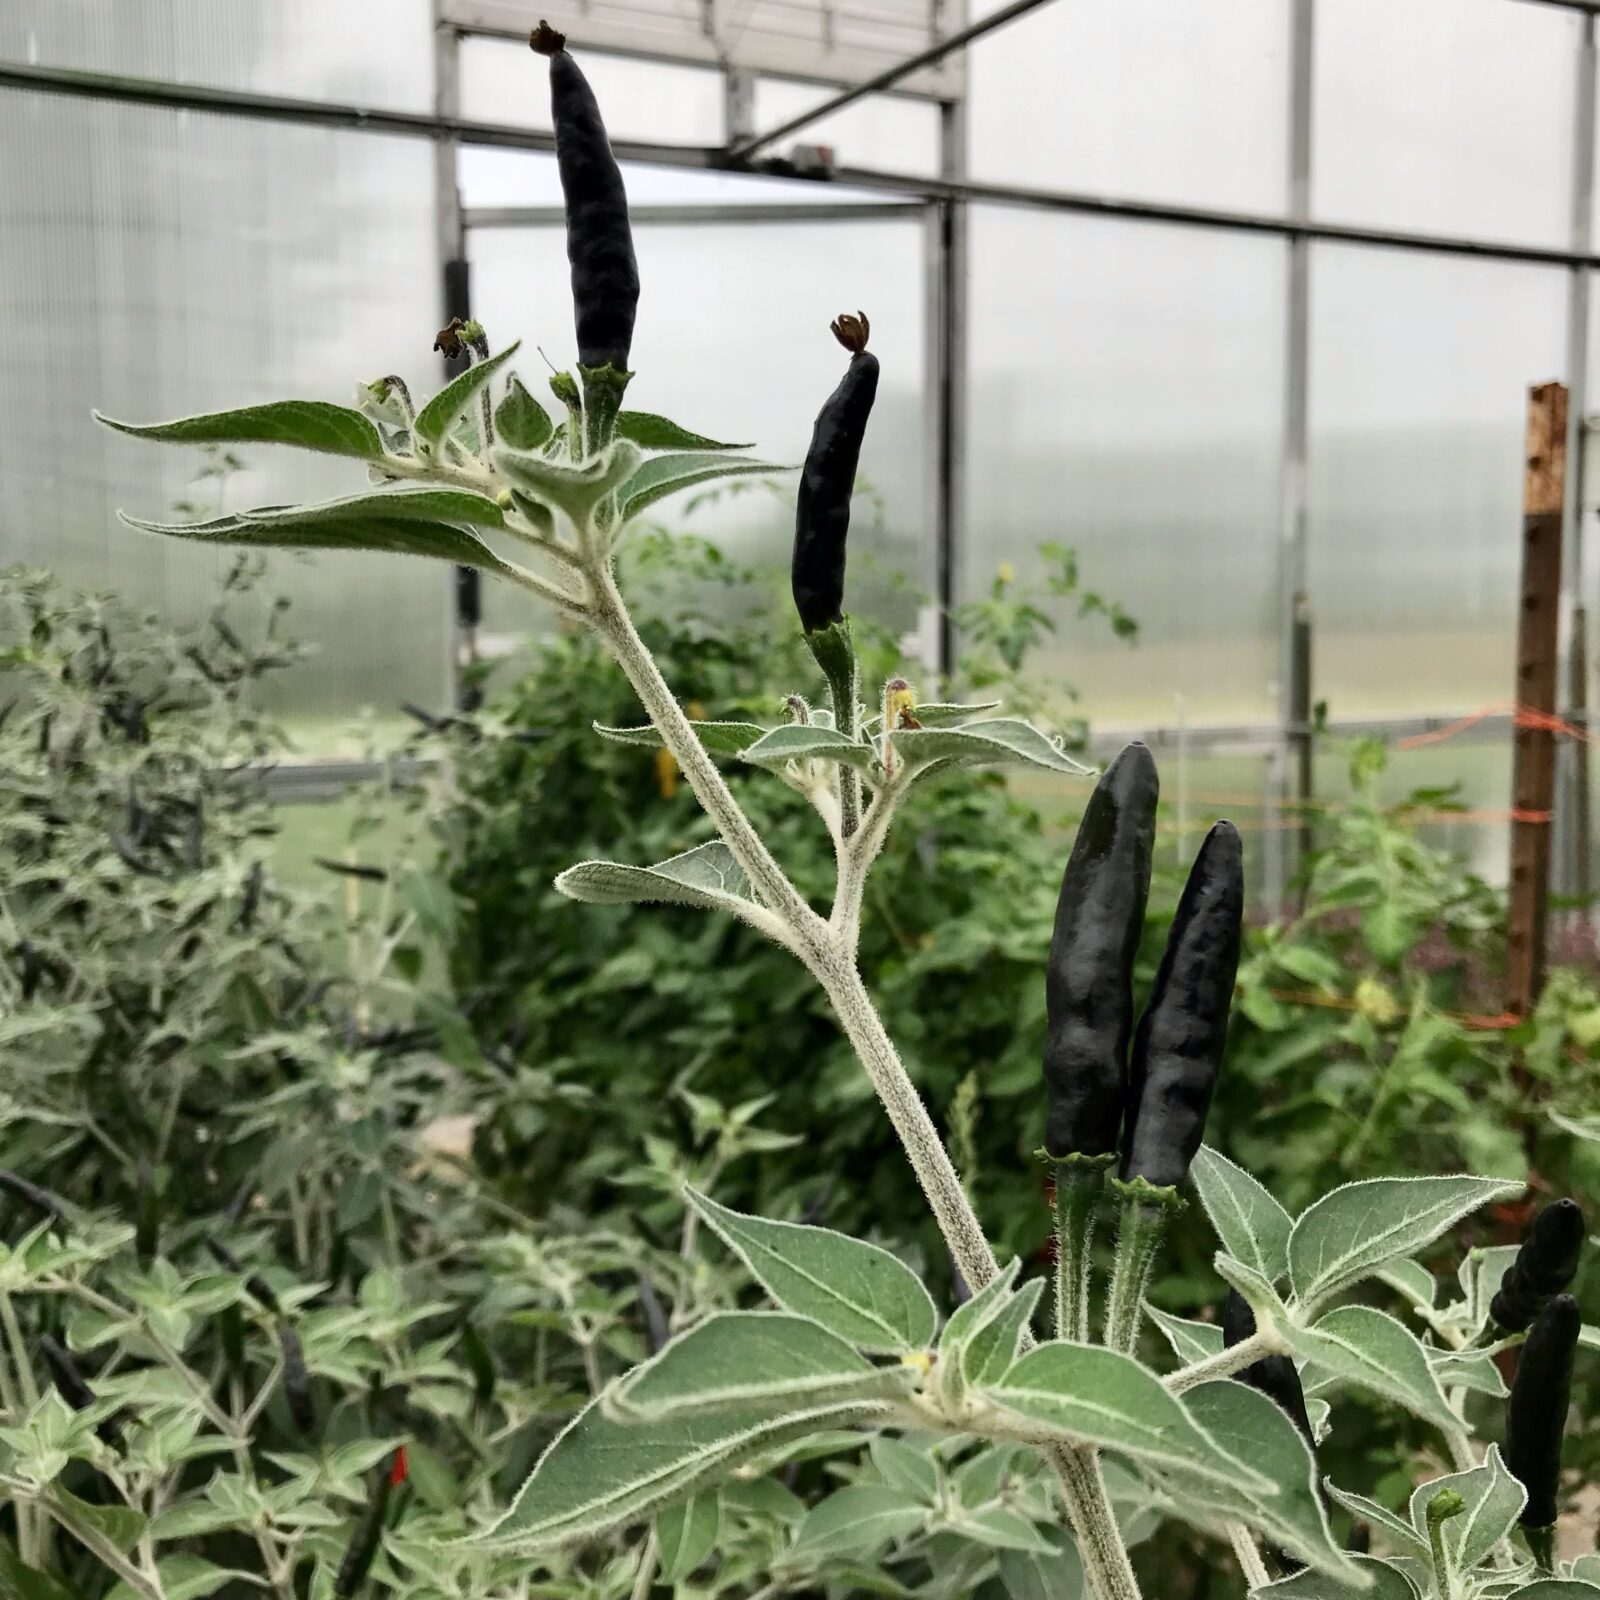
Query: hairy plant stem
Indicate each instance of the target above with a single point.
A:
(1224, 1363)
(1140, 1231)
(831, 960)
(1078, 1186)
(1251, 1565)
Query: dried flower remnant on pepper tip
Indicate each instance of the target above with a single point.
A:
(852, 331)
(547, 41)
(448, 339)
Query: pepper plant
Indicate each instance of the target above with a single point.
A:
(853, 1341)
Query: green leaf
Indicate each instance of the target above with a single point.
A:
(575, 490)
(735, 1357)
(407, 503)
(808, 741)
(1253, 1428)
(1002, 739)
(857, 1290)
(1371, 1350)
(396, 521)
(519, 420)
(1263, 1297)
(1001, 1529)
(1468, 1369)
(706, 876)
(184, 1577)
(19, 1581)
(944, 714)
(965, 1321)
(660, 476)
(1557, 1589)
(600, 1474)
(1028, 1575)
(862, 1518)
(1094, 1396)
(1493, 1499)
(306, 424)
(443, 411)
(1190, 1341)
(988, 1355)
(1382, 1521)
(1388, 1583)
(720, 738)
(913, 1472)
(686, 1534)
(651, 432)
(1410, 1279)
(1252, 1226)
(1586, 1568)
(117, 1525)
(1346, 1235)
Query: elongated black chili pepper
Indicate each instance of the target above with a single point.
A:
(656, 1331)
(255, 1285)
(297, 1381)
(1536, 1415)
(1543, 1267)
(369, 1533)
(1089, 981)
(827, 480)
(42, 1201)
(605, 275)
(1178, 1049)
(72, 1388)
(479, 1362)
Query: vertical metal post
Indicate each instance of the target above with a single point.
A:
(466, 606)
(738, 106)
(1572, 843)
(1538, 623)
(1292, 774)
(947, 377)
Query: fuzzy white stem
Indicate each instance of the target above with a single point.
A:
(1224, 1363)
(1251, 1565)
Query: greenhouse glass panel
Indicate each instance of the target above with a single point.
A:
(161, 264)
(1208, 126)
(1420, 368)
(1126, 400)
(369, 52)
(503, 81)
(890, 133)
(733, 342)
(1450, 116)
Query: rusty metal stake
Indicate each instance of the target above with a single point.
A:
(1533, 767)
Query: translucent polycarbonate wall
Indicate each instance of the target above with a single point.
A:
(157, 264)
(1126, 400)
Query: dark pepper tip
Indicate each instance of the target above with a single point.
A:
(547, 41)
(852, 332)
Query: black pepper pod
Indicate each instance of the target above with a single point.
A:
(827, 481)
(1536, 1415)
(70, 1385)
(1177, 1051)
(1543, 1267)
(255, 1285)
(605, 274)
(369, 1532)
(1089, 979)
(297, 1381)
(42, 1201)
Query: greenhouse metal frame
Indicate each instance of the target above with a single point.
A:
(941, 203)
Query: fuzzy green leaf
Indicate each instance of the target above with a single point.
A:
(860, 1519)
(1493, 1499)
(1410, 1279)
(443, 411)
(999, 740)
(1251, 1427)
(720, 738)
(686, 1534)
(574, 489)
(800, 742)
(1190, 1341)
(966, 1321)
(1468, 1369)
(706, 876)
(519, 420)
(1094, 1396)
(735, 1357)
(1395, 1530)
(1028, 1575)
(651, 432)
(659, 476)
(1252, 1226)
(306, 424)
(988, 1355)
(1386, 1583)
(857, 1290)
(1345, 1236)
(1371, 1350)
(946, 714)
